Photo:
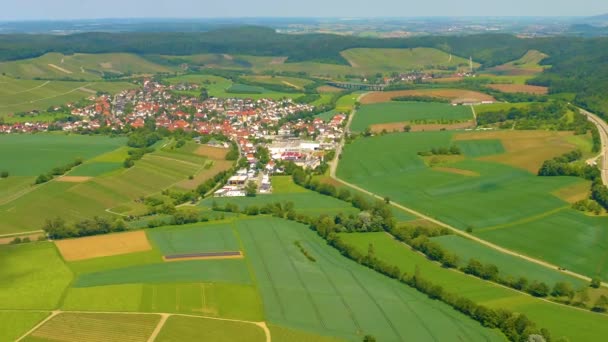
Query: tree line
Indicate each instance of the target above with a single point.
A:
(57, 171)
(569, 164)
(517, 327)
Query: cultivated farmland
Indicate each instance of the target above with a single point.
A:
(103, 245)
(336, 297)
(31, 155)
(562, 321)
(413, 113)
(15, 324)
(507, 205)
(455, 95)
(306, 201)
(528, 64)
(96, 328)
(111, 186)
(520, 88)
(389, 60)
(192, 329)
(80, 66)
(27, 95)
(32, 276)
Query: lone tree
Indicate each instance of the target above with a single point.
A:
(251, 189)
(4, 174)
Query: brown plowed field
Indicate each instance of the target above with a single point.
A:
(217, 153)
(103, 245)
(524, 149)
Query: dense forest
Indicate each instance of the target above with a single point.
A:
(579, 65)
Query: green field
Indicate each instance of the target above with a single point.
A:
(528, 64)
(229, 271)
(27, 95)
(423, 112)
(562, 321)
(223, 88)
(209, 299)
(509, 266)
(86, 67)
(284, 190)
(506, 205)
(112, 186)
(32, 276)
(337, 297)
(95, 327)
(281, 334)
(193, 239)
(480, 148)
(31, 155)
(15, 324)
(293, 82)
(190, 329)
(403, 60)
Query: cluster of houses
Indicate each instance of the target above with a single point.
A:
(250, 123)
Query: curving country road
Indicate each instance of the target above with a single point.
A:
(602, 127)
(334, 166)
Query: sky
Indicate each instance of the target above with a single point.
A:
(91, 9)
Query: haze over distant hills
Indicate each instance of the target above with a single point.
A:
(369, 27)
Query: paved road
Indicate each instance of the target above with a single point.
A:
(602, 127)
(334, 166)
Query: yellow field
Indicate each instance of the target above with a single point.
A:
(217, 153)
(574, 193)
(72, 327)
(525, 149)
(103, 245)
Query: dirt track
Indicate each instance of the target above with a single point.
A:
(164, 317)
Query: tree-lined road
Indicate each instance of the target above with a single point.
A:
(602, 127)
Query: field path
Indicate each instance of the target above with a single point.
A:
(47, 98)
(157, 330)
(27, 90)
(159, 327)
(21, 233)
(53, 314)
(334, 166)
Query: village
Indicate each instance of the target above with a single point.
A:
(252, 124)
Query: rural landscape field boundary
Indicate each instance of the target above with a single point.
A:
(164, 316)
(334, 167)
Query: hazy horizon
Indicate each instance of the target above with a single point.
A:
(41, 10)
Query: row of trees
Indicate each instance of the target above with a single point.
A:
(136, 154)
(58, 228)
(413, 98)
(566, 165)
(517, 327)
(57, 171)
(442, 151)
(548, 115)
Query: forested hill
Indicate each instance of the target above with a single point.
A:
(579, 65)
(260, 41)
